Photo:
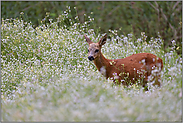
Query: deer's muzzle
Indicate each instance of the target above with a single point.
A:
(91, 58)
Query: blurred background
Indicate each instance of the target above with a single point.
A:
(153, 18)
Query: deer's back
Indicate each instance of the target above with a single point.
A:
(135, 64)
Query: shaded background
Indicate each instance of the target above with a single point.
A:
(129, 17)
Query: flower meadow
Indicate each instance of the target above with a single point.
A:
(46, 75)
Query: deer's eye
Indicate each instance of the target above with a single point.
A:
(88, 51)
(96, 50)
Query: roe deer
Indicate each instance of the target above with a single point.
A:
(143, 66)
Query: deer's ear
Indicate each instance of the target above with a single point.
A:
(87, 39)
(103, 40)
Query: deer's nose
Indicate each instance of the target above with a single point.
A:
(90, 58)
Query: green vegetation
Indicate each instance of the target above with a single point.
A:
(154, 18)
(46, 75)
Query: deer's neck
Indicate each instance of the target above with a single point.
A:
(102, 64)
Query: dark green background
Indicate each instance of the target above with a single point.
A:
(131, 17)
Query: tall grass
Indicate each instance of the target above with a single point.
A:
(46, 76)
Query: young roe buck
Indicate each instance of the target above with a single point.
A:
(143, 66)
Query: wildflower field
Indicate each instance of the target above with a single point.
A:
(46, 75)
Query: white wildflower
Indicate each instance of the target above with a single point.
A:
(103, 70)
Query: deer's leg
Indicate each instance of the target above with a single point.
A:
(157, 80)
(144, 84)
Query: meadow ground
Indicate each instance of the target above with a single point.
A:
(46, 76)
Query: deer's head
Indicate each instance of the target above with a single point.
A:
(94, 49)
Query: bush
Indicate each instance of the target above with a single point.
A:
(46, 75)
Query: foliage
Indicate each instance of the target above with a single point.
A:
(154, 18)
(46, 75)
